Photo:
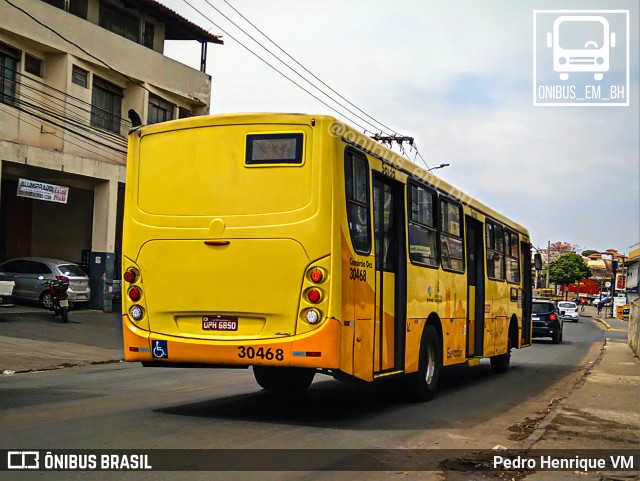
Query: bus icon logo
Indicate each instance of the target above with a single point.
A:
(581, 57)
(23, 460)
(581, 44)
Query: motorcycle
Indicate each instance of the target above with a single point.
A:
(59, 302)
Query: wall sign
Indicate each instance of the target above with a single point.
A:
(41, 191)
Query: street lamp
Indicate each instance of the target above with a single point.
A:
(438, 167)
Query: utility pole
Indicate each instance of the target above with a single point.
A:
(548, 256)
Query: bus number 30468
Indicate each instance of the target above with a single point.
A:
(262, 353)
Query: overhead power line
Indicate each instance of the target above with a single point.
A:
(376, 124)
(273, 67)
(343, 106)
(82, 146)
(58, 34)
(308, 71)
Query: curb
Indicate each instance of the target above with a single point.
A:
(602, 321)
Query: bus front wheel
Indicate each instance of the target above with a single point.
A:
(283, 379)
(423, 384)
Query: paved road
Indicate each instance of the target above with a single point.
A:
(126, 406)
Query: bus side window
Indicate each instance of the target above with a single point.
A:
(495, 251)
(513, 257)
(356, 176)
(423, 234)
(451, 245)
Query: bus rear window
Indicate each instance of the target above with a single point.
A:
(274, 149)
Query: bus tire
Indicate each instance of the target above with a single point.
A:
(424, 383)
(283, 379)
(500, 363)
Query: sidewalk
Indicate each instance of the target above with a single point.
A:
(31, 339)
(602, 410)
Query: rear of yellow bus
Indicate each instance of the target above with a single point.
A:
(228, 234)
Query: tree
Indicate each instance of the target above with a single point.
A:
(588, 252)
(561, 246)
(569, 268)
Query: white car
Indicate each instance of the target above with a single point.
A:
(568, 310)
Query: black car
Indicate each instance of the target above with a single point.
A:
(546, 320)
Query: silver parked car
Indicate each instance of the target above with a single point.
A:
(32, 275)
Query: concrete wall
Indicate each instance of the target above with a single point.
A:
(634, 327)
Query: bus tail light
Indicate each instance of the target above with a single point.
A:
(135, 293)
(314, 296)
(130, 276)
(316, 275)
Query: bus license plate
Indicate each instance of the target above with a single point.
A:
(219, 323)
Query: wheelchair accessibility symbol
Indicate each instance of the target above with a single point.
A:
(160, 349)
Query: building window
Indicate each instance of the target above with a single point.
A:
(184, 113)
(451, 244)
(74, 7)
(127, 25)
(32, 65)
(159, 110)
(8, 67)
(106, 105)
(423, 234)
(148, 35)
(80, 76)
(119, 22)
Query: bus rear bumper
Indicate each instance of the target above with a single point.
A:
(316, 349)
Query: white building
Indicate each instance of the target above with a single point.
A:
(70, 70)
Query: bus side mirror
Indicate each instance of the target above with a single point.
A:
(537, 262)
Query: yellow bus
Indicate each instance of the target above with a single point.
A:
(295, 245)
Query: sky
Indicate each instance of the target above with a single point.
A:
(458, 76)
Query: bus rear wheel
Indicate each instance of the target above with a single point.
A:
(283, 379)
(423, 384)
(500, 363)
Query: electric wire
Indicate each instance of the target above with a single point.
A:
(82, 146)
(293, 69)
(80, 122)
(134, 81)
(376, 127)
(58, 111)
(65, 120)
(55, 32)
(70, 100)
(274, 68)
(307, 70)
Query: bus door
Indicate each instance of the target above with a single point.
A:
(475, 287)
(391, 286)
(527, 293)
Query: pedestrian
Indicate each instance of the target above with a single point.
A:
(599, 306)
(583, 303)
